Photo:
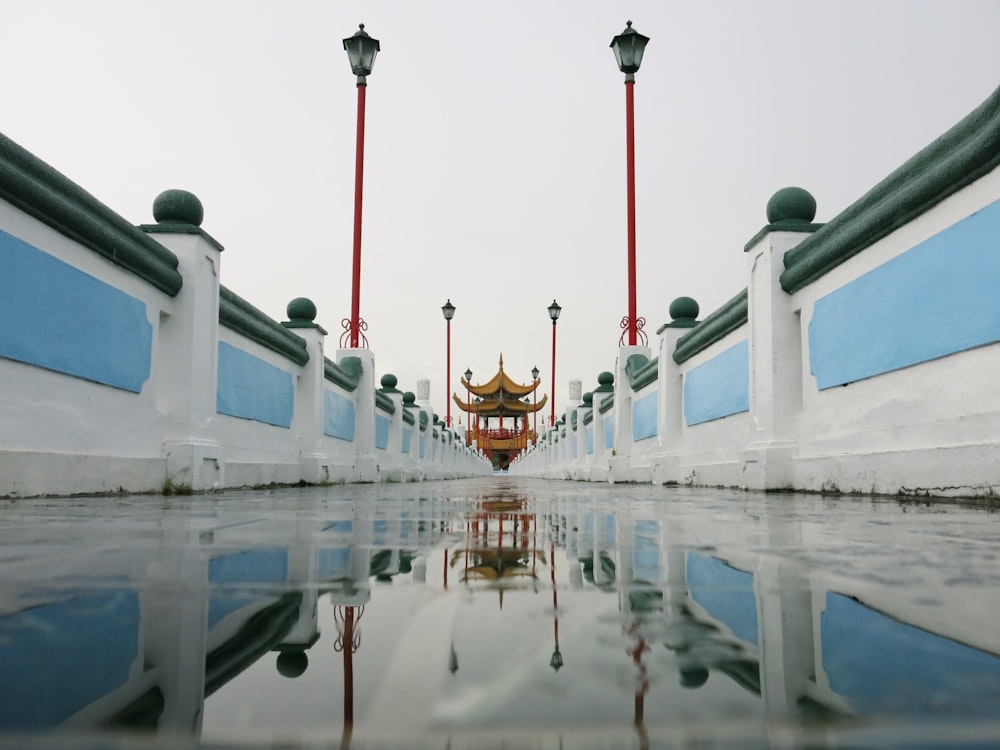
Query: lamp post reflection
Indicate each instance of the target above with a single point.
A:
(347, 643)
(556, 661)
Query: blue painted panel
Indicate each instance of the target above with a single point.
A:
(338, 416)
(726, 594)
(60, 318)
(645, 415)
(881, 665)
(590, 439)
(572, 442)
(251, 388)
(609, 432)
(229, 575)
(58, 658)
(936, 299)
(423, 445)
(719, 387)
(381, 431)
(407, 437)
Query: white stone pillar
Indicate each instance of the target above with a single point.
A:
(307, 423)
(364, 415)
(602, 454)
(670, 427)
(620, 463)
(188, 349)
(775, 344)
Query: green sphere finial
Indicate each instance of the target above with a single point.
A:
(606, 378)
(178, 207)
(389, 381)
(791, 205)
(684, 308)
(409, 398)
(301, 308)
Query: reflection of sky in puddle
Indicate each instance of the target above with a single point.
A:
(559, 609)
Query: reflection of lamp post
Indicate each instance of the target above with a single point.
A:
(554, 311)
(347, 643)
(556, 661)
(628, 47)
(448, 310)
(534, 401)
(361, 51)
(468, 396)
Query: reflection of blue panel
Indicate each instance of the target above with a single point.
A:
(590, 439)
(57, 317)
(609, 432)
(333, 564)
(645, 413)
(606, 531)
(881, 665)
(719, 387)
(251, 567)
(407, 437)
(646, 552)
(381, 431)
(338, 416)
(899, 314)
(58, 658)
(343, 527)
(726, 594)
(251, 388)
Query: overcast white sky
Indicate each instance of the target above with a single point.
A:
(495, 147)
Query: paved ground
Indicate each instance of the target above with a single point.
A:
(498, 611)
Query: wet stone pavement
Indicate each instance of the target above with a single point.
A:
(498, 612)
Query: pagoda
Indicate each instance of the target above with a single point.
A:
(500, 399)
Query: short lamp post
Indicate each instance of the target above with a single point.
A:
(361, 52)
(534, 401)
(628, 48)
(448, 310)
(468, 396)
(554, 311)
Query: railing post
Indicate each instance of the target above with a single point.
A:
(188, 351)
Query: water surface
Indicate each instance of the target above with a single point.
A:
(499, 612)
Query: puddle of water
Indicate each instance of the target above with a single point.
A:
(499, 611)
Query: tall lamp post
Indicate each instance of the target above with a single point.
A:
(361, 51)
(534, 401)
(628, 48)
(448, 310)
(468, 396)
(554, 311)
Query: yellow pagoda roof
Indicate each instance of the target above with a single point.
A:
(493, 407)
(500, 384)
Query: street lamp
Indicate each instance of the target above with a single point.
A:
(554, 311)
(534, 401)
(468, 395)
(628, 48)
(448, 310)
(361, 51)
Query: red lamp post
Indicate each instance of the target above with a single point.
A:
(468, 399)
(554, 311)
(361, 51)
(448, 310)
(534, 401)
(628, 48)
